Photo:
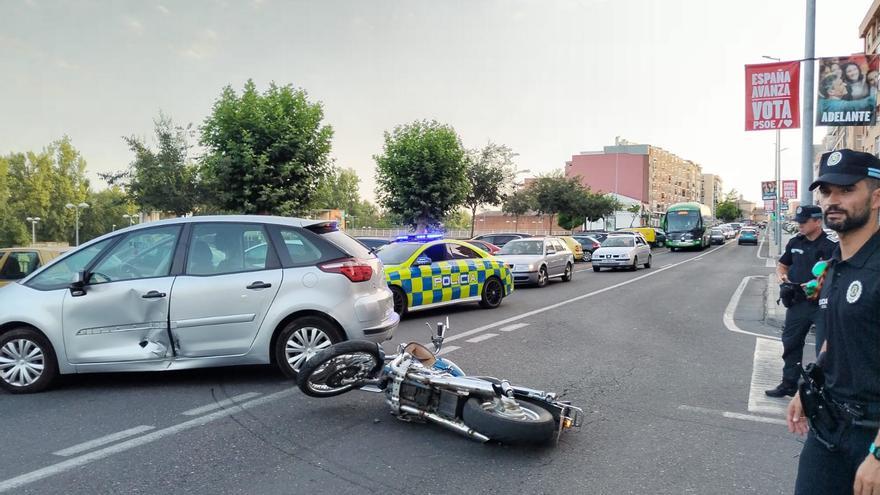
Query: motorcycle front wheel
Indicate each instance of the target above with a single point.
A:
(340, 368)
(527, 424)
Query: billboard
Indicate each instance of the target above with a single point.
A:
(768, 190)
(773, 96)
(789, 189)
(847, 93)
(769, 205)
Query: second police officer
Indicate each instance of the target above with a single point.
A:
(794, 268)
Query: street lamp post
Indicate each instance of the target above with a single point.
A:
(81, 206)
(33, 221)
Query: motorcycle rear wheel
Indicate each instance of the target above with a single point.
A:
(340, 368)
(531, 425)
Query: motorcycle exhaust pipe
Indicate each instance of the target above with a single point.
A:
(452, 425)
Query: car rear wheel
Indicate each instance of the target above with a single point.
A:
(588, 256)
(493, 293)
(566, 277)
(27, 361)
(301, 339)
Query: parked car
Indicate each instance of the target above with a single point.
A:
(428, 271)
(485, 246)
(574, 246)
(717, 236)
(729, 232)
(588, 245)
(17, 263)
(500, 239)
(622, 251)
(599, 235)
(373, 243)
(191, 293)
(748, 236)
(535, 261)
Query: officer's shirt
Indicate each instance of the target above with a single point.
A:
(801, 254)
(850, 303)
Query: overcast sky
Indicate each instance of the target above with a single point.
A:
(549, 78)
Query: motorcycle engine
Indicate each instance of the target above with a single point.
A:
(417, 395)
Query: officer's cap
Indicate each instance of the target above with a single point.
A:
(846, 167)
(806, 212)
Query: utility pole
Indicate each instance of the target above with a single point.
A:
(807, 118)
(778, 194)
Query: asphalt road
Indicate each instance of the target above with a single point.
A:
(667, 382)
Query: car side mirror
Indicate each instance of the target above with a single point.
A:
(78, 286)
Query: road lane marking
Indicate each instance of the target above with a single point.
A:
(515, 326)
(533, 312)
(91, 444)
(82, 460)
(766, 374)
(731, 310)
(480, 338)
(733, 415)
(198, 411)
(448, 348)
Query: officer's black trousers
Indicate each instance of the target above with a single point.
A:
(798, 320)
(822, 472)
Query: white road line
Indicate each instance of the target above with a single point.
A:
(198, 411)
(82, 460)
(447, 348)
(485, 336)
(527, 314)
(733, 415)
(515, 326)
(731, 309)
(766, 374)
(91, 444)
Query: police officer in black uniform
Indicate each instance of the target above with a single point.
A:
(842, 452)
(794, 268)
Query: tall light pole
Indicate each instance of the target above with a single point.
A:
(81, 206)
(33, 221)
(778, 157)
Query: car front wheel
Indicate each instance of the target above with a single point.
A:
(27, 361)
(493, 293)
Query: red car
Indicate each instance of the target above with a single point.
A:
(485, 246)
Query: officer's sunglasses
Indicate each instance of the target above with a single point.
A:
(813, 287)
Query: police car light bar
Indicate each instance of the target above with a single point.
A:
(419, 237)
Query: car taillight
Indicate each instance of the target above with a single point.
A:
(596, 245)
(356, 270)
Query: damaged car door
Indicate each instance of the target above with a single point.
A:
(118, 311)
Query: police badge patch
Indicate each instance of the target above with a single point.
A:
(834, 158)
(854, 292)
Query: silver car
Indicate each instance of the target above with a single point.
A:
(191, 293)
(622, 251)
(535, 260)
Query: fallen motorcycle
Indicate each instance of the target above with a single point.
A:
(419, 385)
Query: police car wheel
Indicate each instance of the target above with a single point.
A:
(493, 293)
(399, 301)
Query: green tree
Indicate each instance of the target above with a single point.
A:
(267, 152)
(339, 189)
(635, 209)
(728, 211)
(161, 180)
(421, 173)
(490, 173)
(518, 203)
(105, 211)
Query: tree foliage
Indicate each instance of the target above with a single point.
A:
(490, 171)
(727, 211)
(161, 180)
(267, 153)
(421, 173)
(339, 189)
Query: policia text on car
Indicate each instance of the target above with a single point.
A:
(842, 452)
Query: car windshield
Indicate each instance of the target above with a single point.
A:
(619, 241)
(523, 247)
(397, 253)
(682, 221)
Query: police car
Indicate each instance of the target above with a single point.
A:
(426, 271)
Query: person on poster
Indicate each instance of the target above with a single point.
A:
(856, 83)
(832, 93)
